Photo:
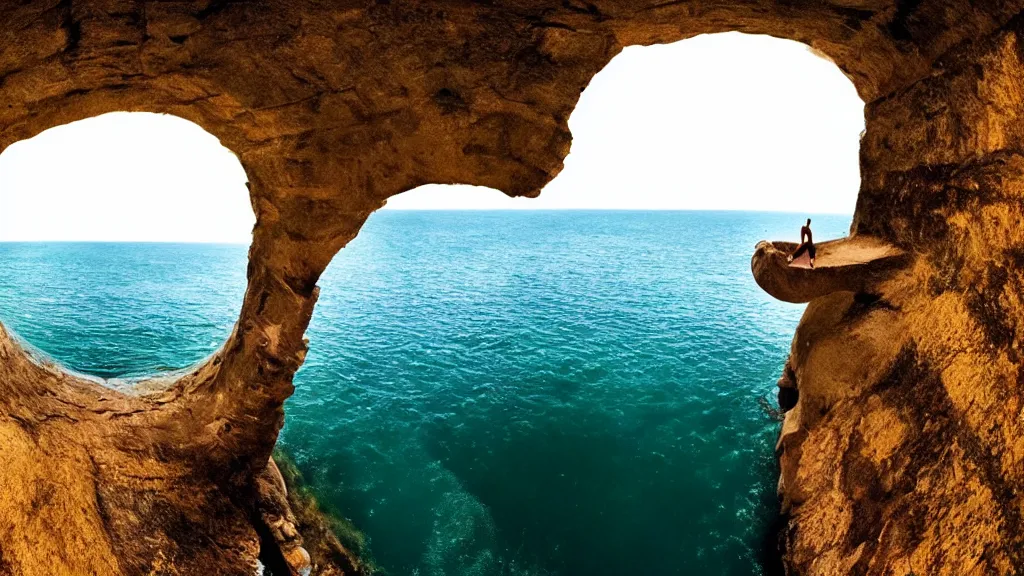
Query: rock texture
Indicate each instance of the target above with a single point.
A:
(903, 451)
(849, 265)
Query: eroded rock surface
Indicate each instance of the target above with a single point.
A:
(851, 265)
(903, 451)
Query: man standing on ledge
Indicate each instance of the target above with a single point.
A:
(805, 245)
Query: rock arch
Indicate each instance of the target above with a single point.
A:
(333, 107)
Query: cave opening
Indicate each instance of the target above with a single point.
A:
(461, 443)
(123, 239)
(537, 380)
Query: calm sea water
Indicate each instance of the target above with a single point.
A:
(487, 393)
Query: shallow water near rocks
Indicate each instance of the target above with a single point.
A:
(486, 393)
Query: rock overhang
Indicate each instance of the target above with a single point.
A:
(332, 108)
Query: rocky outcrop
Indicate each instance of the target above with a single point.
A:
(335, 547)
(851, 265)
(902, 453)
(905, 451)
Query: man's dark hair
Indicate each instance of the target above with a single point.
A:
(808, 221)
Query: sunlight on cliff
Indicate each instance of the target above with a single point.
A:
(124, 177)
(717, 122)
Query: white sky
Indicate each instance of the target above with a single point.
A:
(717, 122)
(124, 176)
(730, 122)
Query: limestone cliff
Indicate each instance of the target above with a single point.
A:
(903, 451)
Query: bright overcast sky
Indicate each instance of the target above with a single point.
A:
(118, 177)
(729, 122)
(718, 122)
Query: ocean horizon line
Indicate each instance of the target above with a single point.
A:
(444, 210)
(158, 242)
(708, 210)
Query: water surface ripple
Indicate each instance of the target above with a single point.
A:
(486, 393)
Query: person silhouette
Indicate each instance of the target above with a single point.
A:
(805, 245)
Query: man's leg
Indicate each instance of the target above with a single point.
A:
(799, 252)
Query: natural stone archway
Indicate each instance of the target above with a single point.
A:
(902, 454)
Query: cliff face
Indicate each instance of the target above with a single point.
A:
(903, 450)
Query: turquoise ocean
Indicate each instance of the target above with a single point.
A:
(569, 393)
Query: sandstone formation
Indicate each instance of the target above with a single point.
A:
(904, 451)
(852, 265)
